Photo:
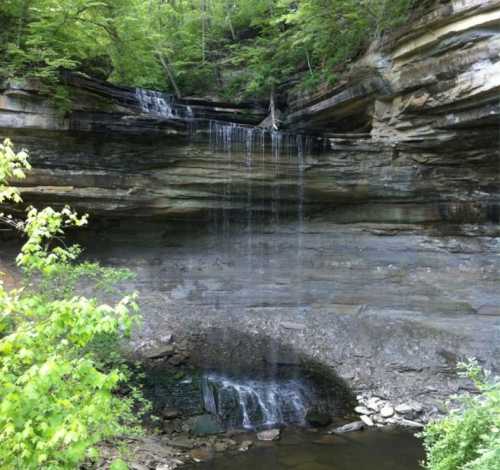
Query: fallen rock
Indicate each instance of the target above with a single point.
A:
(374, 404)
(205, 425)
(363, 410)
(269, 435)
(378, 419)
(387, 411)
(368, 421)
(162, 350)
(317, 419)
(351, 427)
(202, 454)
(404, 409)
(245, 445)
(417, 407)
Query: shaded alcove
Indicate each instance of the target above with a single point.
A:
(247, 381)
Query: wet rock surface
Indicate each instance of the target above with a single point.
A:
(390, 310)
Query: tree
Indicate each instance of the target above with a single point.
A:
(182, 45)
(58, 393)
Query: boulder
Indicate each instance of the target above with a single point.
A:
(387, 411)
(363, 410)
(269, 435)
(205, 425)
(318, 419)
(351, 427)
(368, 421)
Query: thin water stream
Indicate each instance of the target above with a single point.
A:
(260, 183)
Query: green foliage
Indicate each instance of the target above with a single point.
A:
(58, 389)
(257, 43)
(12, 166)
(469, 438)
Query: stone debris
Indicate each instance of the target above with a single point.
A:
(387, 411)
(363, 410)
(382, 412)
(245, 445)
(404, 409)
(367, 420)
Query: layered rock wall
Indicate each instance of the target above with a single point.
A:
(363, 237)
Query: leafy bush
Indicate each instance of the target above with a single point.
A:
(469, 438)
(58, 396)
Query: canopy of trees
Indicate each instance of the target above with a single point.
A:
(240, 47)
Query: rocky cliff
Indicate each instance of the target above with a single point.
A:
(413, 129)
(363, 236)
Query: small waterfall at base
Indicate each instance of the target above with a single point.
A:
(256, 403)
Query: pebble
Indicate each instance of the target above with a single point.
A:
(378, 419)
(201, 455)
(373, 404)
(417, 407)
(381, 411)
(363, 410)
(368, 421)
(269, 435)
(387, 411)
(245, 445)
(404, 409)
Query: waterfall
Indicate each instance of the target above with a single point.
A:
(155, 102)
(238, 144)
(303, 146)
(276, 144)
(162, 105)
(254, 404)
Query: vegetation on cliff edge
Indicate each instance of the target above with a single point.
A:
(242, 48)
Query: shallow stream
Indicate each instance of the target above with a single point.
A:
(301, 450)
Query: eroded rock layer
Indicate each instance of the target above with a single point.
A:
(363, 236)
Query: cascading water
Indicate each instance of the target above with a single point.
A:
(238, 143)
(255, 404)
(277, 138)
(303, 149)
(162, 105)
(274, 401)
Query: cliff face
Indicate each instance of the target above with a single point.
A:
(428, 103)
(414, 127)
(364, 236)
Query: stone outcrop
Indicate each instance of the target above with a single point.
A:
(410, 134)
(428, 103)
(370, 246)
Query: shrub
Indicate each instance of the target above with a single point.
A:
(58, 397)
(468, 438)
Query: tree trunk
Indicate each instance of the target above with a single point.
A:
(170, 74)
